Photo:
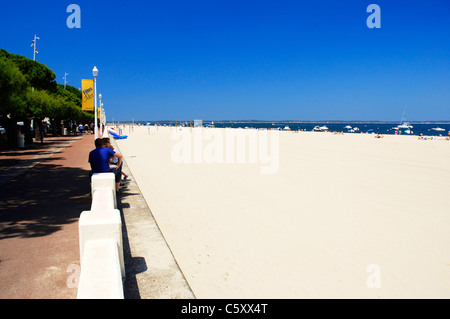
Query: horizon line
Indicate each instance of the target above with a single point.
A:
(290, 121)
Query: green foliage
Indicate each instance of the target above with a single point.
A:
(73, 90)
(38, 104)
(38, 75)
(18, 75)
(70, 93)
(12, 86)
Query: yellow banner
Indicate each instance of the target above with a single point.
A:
(88, 95)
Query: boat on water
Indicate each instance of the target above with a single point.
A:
(320, 129)
(438, 129)
(405, 124)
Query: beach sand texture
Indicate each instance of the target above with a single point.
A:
(340, 216)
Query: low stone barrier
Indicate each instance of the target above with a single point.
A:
(104, 180)
(101, 245)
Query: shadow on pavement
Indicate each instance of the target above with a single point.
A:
(40, 201)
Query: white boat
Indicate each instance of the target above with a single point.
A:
(287, 128)
(439, 129)
(320, 128)
(348, 127)
(403, 123)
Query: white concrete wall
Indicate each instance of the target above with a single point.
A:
(101, 245)
(100, 276)
(104, 180)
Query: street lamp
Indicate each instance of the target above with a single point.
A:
(34, 44)
(102, 115)
(65, 79)
(35, 50)
(95, 73)
(100, 118)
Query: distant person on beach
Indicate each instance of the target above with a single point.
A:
(99, 160)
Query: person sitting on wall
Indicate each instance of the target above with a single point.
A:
(99, 160)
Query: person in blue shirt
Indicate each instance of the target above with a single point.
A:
(99, 160)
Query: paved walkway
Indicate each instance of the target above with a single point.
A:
(43, 190)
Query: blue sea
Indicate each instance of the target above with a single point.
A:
(385, 128)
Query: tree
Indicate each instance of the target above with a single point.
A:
(13, 87)
(37, 75)
(18, 102)
(70, 93)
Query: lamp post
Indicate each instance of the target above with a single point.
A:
(100, 118)
(65, 79)
(104, 118)
(34, 44)
(95, 73)
(35, 50)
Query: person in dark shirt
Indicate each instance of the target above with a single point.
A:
(99, 160)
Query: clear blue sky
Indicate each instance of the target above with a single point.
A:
(246, 59)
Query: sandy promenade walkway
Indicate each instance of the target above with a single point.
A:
(310, 215)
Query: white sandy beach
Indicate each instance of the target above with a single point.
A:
(324, 216)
